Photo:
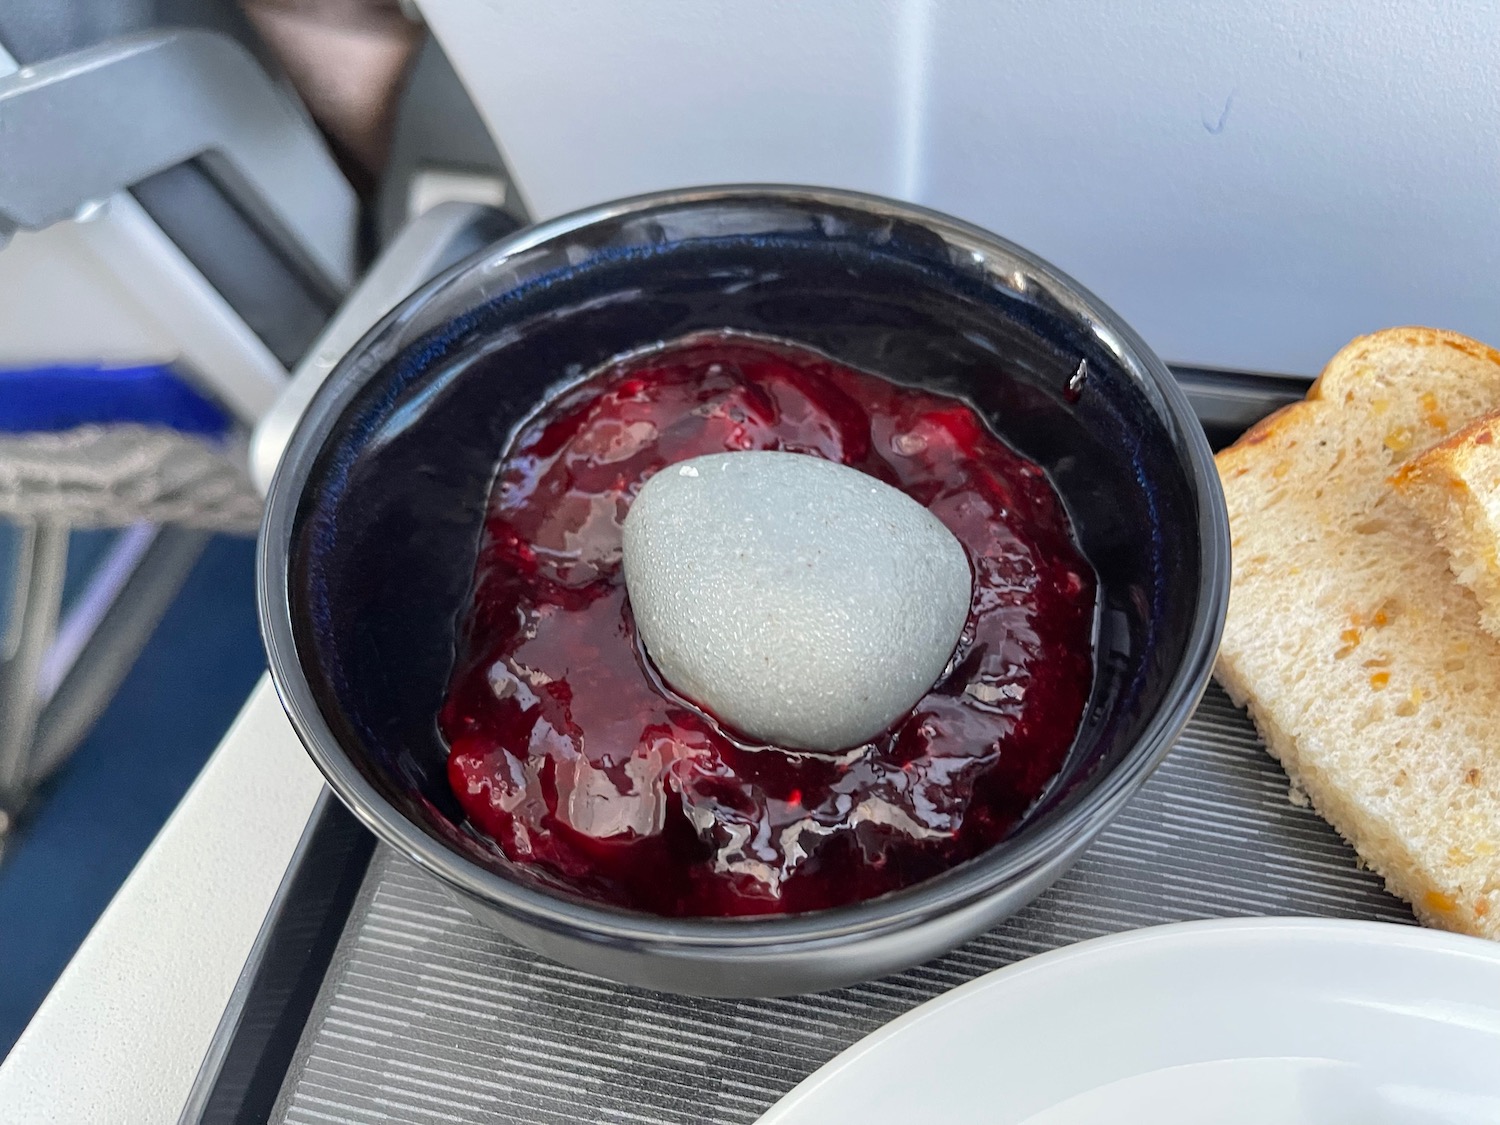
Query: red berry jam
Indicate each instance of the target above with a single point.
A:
(570, 753)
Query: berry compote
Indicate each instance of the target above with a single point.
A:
(573, 756)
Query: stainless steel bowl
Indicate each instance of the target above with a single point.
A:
(368, 547)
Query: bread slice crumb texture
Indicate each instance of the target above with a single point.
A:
(1358, 654)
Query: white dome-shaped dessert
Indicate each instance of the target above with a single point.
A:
(804, 603)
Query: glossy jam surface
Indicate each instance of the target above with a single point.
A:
(568, 752)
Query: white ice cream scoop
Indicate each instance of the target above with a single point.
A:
(802, 602)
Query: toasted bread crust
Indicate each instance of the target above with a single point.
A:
(1340, 375)
(1442, 459)
(1346, 360)
(1454, 488)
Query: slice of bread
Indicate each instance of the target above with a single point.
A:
(1358, 655)
(1455, 488)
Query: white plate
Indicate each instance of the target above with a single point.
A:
(1240, 1022)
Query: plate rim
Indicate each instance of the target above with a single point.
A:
(1128, 943)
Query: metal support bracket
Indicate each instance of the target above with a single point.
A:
(427, 245)
(79, 128)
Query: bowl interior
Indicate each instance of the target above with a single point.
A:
(383, 541)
